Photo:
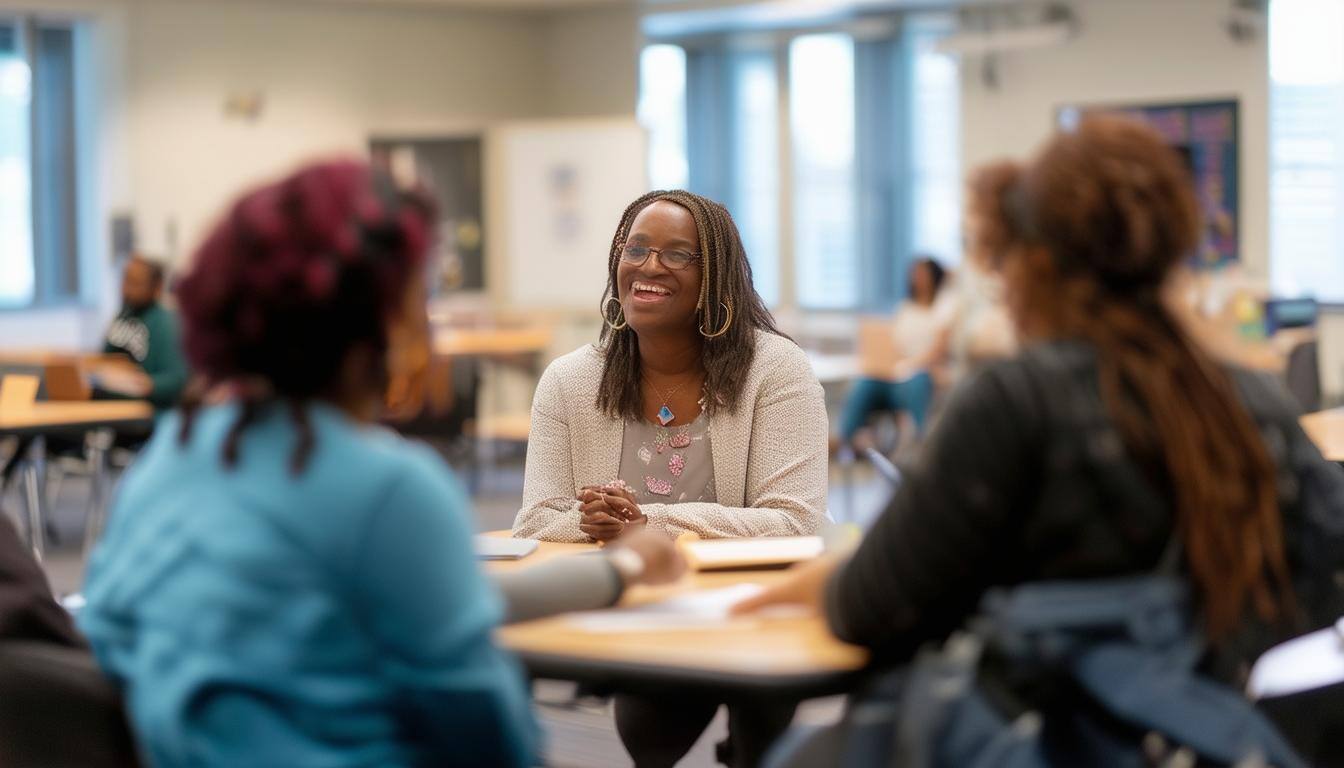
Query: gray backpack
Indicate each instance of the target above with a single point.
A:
(1115, 663)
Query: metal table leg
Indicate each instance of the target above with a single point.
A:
(96, 446)
(32, 495)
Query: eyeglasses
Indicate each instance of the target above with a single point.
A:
(636, 255)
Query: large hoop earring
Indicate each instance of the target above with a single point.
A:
(621, 324)
(728, 323)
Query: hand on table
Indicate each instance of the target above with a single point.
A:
(608, 511)
(663, 562)
(805, 585)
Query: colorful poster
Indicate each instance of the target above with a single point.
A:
(1206, 135)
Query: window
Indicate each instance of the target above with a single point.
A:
(755, 198)
(17, 276)
(1306, 70)
(868, 130)
(935, 146)
(662, 112)
(821, 116)
(38, 251)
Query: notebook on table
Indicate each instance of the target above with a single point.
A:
(768, 552)
(501, 548)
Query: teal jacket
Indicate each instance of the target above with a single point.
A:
(150, 338)
(337, 618)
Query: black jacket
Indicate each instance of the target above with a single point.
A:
(1025, 478)
(27, 609)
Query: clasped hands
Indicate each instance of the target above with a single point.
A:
(608, 511)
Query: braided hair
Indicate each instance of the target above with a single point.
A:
(296, 275)
(731, 312)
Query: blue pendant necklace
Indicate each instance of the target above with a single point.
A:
(665, 414)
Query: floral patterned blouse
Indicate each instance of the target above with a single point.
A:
(667, 465)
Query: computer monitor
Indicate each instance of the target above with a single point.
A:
(1289, 313)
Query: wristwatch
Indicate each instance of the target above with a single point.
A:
(628, 563)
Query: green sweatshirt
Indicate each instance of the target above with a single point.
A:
(149, 337)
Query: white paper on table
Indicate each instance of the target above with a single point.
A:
(1306, 663)
(691, 610)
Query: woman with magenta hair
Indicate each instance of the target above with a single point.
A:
(282, 582)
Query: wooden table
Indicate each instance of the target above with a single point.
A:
(38, 357)
(747, 658)
(522, 347)
(33, 420)
(1326, 430)
(490, 342)
(47, 417)
(1269, 355)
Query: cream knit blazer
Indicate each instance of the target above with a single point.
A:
(769, 455)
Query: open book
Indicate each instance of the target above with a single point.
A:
(718, 554)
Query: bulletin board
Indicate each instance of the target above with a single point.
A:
(1207, 135)
(562, 186)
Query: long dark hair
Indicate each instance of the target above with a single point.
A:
(937, 275)
(296, 275)
(731, 312)
(1087, 236)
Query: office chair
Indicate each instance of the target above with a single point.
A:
(1303, 375)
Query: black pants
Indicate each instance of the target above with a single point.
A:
(659, 731)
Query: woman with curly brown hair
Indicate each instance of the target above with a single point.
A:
(1109, 435)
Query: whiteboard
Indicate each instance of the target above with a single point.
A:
(561, 188)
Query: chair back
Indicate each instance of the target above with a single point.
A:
(1304, 375)
(877, 347)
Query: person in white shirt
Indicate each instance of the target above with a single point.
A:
(920, 333)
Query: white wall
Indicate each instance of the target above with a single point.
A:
(331, 75)
(592, 61)
(1130, 51)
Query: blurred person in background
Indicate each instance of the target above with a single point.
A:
(146, 333)
(920, 330)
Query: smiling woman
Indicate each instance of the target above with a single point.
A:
(692, 413)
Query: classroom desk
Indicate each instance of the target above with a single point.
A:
(490, 342)
(749, 658)
(37, 357)
(521, 347)
(49, 417)
(1269, 355)
(834, 369)
(1326, 430)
